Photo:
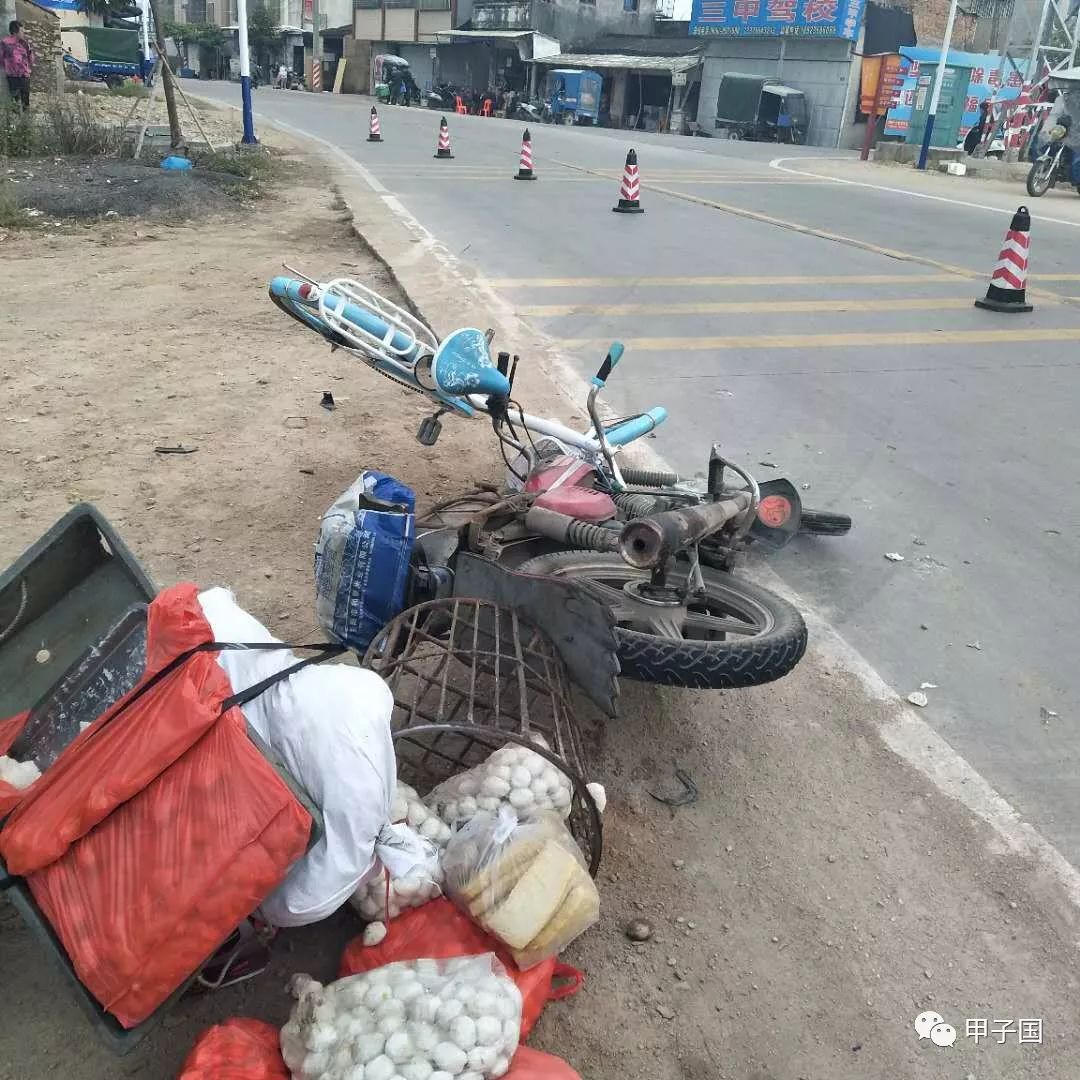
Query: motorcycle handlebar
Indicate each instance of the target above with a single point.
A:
(649, 542)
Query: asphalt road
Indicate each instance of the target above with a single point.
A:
(826, 327)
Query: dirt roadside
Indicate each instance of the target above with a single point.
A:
(827, 894)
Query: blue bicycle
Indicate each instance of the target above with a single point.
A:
(656, 549)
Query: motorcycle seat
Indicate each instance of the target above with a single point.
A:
(462, 365)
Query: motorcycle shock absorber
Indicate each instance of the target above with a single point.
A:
(574, 532)
(635, 504)
(649, 477)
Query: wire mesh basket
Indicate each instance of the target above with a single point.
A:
(468, 677)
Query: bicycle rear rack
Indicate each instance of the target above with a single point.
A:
(405, 344)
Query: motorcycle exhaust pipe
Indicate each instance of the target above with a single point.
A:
(571, 531)
(649, 542)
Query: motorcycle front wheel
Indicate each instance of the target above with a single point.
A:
(1039, 178)
(736, 635)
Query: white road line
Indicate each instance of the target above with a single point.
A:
(778, 164)
(906, 734)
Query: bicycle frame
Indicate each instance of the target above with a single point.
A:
(397, 344)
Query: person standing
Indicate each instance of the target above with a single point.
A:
(17, 59)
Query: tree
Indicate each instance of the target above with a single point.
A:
(175, 134)
(199, 34)
(263, 32)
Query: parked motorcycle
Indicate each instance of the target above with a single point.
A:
(658, 550)
(442, 97)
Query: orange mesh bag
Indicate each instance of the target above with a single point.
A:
(438, 930)
(11, 796)
(141, 901)
(130, 745)
(159, 828)
(236, 1050)
(529, 1064)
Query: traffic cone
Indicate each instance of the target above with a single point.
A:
(374, 134)
(444, 141)
(1009, 279)
(525, 169)
(628, 192)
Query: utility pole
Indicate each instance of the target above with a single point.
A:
(316, 49)
(144, 22)
(248, 138)
(935, 94)
(175, 134)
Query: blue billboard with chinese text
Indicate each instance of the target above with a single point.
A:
(776, 18)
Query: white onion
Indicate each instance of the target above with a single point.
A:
(390, 1025)
(495, 786)
(448, 1012)
(463, 1032)
(321, 1036)
(469, 785)
(489, 803)
(368, 1047)
(355, 1072)
(399, 1047)
(417, 1070)
(440, 1074)
(425, 1037)
(520, 798)
(488, 1030)
(511, 1031)
(417, 815)
(449, 1057)
(500, 1068)
(484, 1004)
(391, 1007)
(466, 807)
(481, 1058)
(382, 1068)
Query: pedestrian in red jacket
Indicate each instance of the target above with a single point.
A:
(17, 59)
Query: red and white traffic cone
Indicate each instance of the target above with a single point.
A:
(374, 133)
(1008, 282)
(631, 187)
(444, 141)
(525, 166)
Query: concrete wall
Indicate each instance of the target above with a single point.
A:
(571, 22)
(821, 69)
(367, 25)
(400, 24)
(358, 68)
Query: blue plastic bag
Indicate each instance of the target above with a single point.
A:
(362, 558)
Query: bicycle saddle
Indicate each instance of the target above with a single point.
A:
(462, 365)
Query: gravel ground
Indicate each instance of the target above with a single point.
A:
(59, 189)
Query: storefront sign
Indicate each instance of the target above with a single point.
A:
(776, 18)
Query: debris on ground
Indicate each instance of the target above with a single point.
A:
(919, 699)
(894, 556)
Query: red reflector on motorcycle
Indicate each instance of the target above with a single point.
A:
(305, 291)
(774, 511)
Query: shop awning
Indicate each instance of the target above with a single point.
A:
(654, 64)
(530, 44)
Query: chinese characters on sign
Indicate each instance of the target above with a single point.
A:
(769, 18)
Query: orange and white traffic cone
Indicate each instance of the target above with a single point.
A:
(1008, 282)
(444, 141)
(374, 133)
(630, 189)
(525, 166)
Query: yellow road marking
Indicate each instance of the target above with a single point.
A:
(833, 341)
(748, 306)
(713, 281)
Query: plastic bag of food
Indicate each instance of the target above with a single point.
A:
(418, 1020)
(524, 881)
(239, 1049)
(514, 776)
(440, 931)
(408, 873)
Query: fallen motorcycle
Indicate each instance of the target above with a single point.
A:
(658, 550)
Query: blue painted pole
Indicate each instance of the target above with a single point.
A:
(249, 119)
(939, 78)
(245, 74)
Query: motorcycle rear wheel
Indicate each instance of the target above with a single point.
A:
(740, 634)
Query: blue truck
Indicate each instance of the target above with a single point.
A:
(571, 96)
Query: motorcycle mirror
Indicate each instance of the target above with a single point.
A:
(503, 363)
(513, 370)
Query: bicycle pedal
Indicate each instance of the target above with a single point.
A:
(429, 431)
